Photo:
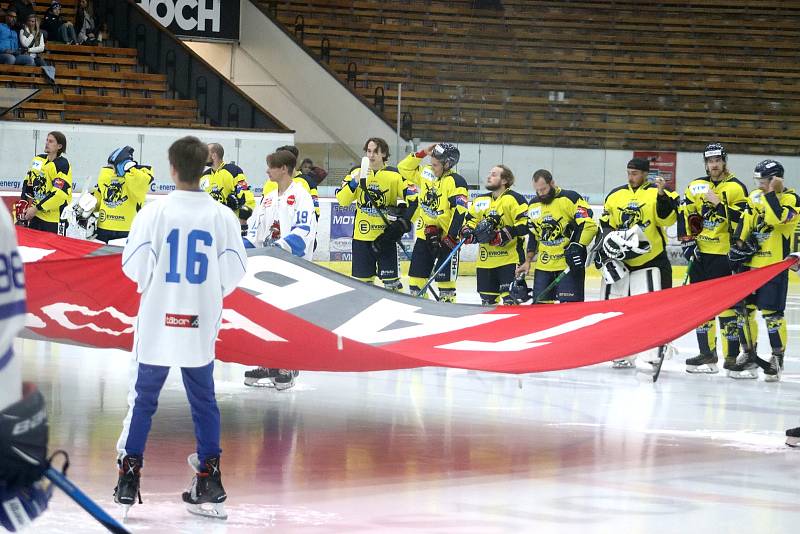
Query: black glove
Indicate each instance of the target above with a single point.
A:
(575, 255)
(518, 291)
(740, 253)
(233, 202)
(391, 235)
(121, 160)
(502, 236)
(23, 440)
(468, 235)
(485, 231)
(689, 250)
(433, 238)
(245, 228)
(449, 242)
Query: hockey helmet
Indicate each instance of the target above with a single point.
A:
(715, 150)
(768, 169)
(447, 153)
(518, 291)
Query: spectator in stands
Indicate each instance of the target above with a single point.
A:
(10, 53)
(57, 27)
(24, 8)
(313, 175)
(32, 40)
(86, 24)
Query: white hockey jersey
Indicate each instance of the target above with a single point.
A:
(12, 310)
(287, 220)
(185, 252)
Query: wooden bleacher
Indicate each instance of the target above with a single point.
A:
(590, 73)
(98, 85)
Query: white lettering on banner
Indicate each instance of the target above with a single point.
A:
(237, 321)
(31, 254)
(173, 10)
(58, 312)
(368, 326)
(528, 341)
(306, 286)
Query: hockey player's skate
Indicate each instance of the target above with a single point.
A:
(624, 363)
(793, 437)
(284, 379)
(741, 367)
(702, 363)
(206, 494)
(127, 490)
(260, 377)
(772, 372)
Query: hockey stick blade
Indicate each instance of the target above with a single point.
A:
(65, 485)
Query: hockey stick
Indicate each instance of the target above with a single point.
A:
(550, 286)
(362, 181)
(441, 267)
(662, 349)
(65, 485)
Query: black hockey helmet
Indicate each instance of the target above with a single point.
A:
(768, 169)
(447, 154)
(715, 149)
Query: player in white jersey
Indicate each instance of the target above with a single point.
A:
(185, 254)
(23, 415)
(285, 219)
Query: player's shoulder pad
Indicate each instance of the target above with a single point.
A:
(458, 180)
(41, 156)
(573, 196)
(62, 164)
(735, 180)
(234, 169)
(519, 197)
(616, 190)
(354, 169)
(482, 195)
(391, 168)
(794, 194)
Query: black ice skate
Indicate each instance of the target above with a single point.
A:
(793, 437)
(260, 377)
(127, 490)
(773, 371)
(741, 367)
(206, 494)
(284, 379)
(702, 363)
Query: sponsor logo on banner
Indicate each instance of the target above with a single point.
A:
(12, 185)
(182, 321)
(215, 19)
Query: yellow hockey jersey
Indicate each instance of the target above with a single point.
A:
(771, 218)
(389, 193)
(509, 211)
(48, 185)
(626, 207)
(717, 221)
(443, 201)
(555, 224)
(119, 199)
(229, 179)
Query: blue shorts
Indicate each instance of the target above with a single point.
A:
(569, 289)
(772, 295)
(367, 264)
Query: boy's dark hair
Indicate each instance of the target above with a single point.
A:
(61, 139)
(282, 158)
(306, 160)
(543, 174)
(290, 148)
(507, 175)
(381, 144)
(188, 156)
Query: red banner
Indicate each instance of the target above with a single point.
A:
(292, 314)
(663, 164)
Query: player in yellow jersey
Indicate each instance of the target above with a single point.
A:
(442, 209)
(561, 229)
(498, 221)
(763, 238)
(385, 206)
(715, 201)
(47, 188)
(227, 184)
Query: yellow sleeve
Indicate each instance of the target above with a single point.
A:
(139, 183)
(409, 168)
(586, 227)
(346, 194)
(780, 212)
(59, 186)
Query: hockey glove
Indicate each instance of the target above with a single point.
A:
(485, 231)
(121, 160)
(432, 238)
(233, 202)
(23, 440)
(449, 242)
(468, 235)
(502, 236)
(689, 250)
(575, 255)
(391, 235)
(244, 228)
(20, 207)
(518, 291)
(20, 506)
(740, 253)
(694, 223)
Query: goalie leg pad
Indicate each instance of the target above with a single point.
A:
(645, 281)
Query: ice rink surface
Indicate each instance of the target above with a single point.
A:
(443, 450)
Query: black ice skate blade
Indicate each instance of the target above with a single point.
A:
(217, 511)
